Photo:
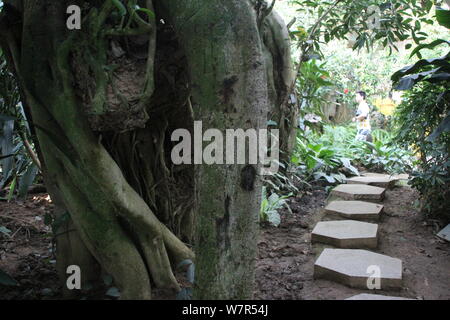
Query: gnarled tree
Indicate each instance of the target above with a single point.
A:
(104, 101)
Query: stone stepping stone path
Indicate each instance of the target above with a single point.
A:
(368, 296)
(347, 263)
(346, 234)
(355, 267)
(355, 210)
(359, 192)
(397, 177)
(382, 181)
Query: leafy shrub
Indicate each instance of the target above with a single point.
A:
(386, 157)
(417, 117)
(321, 162)
(335, 153)
(312, 86)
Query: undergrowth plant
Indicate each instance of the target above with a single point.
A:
(417, 117)
(270, 206)
(335, 154)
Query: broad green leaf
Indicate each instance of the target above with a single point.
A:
(429, 46)
(443, 17)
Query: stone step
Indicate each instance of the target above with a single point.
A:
(346, 234)
(358, 192)
(356, 210)
(379, 180)
(368, 296)
(402, 176)
(445, 233)
(359, 268)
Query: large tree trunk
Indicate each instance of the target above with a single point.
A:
(104, 102)
(284, 109)
(228, 77)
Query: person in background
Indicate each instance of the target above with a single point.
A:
(362, 117)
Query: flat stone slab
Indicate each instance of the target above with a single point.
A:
(383, 181)
(357, 210)
(368, 296)
(445, 233)
(358, 192)
(403, 176)
(373, 174)
(346, 234)
(359, 268)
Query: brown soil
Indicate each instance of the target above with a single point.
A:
(26, 254)
(285, 261)
(286, 257)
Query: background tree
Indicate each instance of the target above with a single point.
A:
(364, 24)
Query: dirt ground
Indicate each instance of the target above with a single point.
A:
(286, 256)
(285, 259)
(26, 254)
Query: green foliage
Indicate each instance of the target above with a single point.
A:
(369, 20)
(18, 169)
(270, 206)
(335, 154)
(435, 70)
(429, 46)
(380, 157)
(443, 17)
(423, 121)
(431, 70)
(339, 138)
(321, 162)
(283, 182)
(418, 116)
(311, 85)
(327, 27)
